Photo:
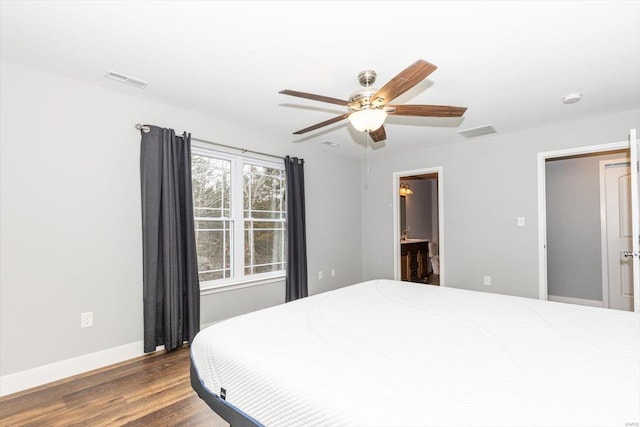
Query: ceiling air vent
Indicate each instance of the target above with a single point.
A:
(126, 79)
(477, 131)
(331, 144)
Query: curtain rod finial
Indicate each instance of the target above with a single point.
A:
(143, 128)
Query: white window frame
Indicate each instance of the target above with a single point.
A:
(239, 279)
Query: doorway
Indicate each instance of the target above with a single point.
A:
(573, 245)
(418, 226)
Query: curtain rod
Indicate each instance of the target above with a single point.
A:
(146, 129)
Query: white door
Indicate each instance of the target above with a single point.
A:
(635, 216)
(618, 225)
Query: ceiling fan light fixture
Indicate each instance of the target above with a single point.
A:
(368, 120)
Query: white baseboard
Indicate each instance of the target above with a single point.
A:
(579, 301)
(29, 378)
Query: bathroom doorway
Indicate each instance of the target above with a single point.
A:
(418, 226)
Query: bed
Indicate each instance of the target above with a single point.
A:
(390, 353)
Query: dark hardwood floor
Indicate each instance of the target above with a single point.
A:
(151, 390)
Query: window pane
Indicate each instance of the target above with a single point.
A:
(211, 180)
(213, 246)
(264, 243)
(264, 213)
(263, 192)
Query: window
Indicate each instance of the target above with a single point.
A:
(240, 213)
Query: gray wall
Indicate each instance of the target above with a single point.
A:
(487, 183)
(574, 251)
(70, 216)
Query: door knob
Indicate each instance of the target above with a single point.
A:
(631, 254)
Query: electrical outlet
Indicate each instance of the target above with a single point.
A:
(486, 281)
(521, 222)
(333, 272)
(86, 319)
(320, 275)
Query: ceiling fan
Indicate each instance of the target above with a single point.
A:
(368, 107)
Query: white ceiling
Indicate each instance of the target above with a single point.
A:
(510, 63)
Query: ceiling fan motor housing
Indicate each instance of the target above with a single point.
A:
(361, 98)
(367, 78)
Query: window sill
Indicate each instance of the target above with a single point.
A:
(247, 283)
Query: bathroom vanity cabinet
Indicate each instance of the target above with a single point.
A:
(414, 259)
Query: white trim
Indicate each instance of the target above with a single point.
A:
(542, 227)
(542, 201)
(232, 286)
(579, 301)
(634, 147)
(396, 217)
(29, 378)
(604, 245)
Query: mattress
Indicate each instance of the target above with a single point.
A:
(389, 353)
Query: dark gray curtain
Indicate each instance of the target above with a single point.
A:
(170, 271)
(296, 282)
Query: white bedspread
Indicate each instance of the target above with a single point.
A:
(387, 353)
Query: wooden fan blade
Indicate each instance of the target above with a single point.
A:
(427, 110)
(378, 134)
(314, 97)
(405, 80)
(325, 123)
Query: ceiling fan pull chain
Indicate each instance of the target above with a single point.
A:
(366, 147)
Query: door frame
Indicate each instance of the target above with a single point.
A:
(634, 151)
(439, 171)
(542, 201)
(603, 226)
